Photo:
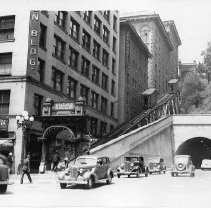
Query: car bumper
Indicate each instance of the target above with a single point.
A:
(6, 182)
(126, 173)
(68, 181)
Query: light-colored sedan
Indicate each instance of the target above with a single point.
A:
(206, 164)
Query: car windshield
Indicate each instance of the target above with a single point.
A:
(85, 161)
(154, 160)
(206, 161)
(132, 159)
(181, 159)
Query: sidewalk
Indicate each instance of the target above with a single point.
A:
(48, 176)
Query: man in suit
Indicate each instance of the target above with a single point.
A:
(26, 169)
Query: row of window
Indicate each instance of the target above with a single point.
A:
(7, 24)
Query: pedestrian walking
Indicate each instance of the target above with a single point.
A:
(26, 169)
(55, 160)
(66, 157)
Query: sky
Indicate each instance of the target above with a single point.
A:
(192, 17)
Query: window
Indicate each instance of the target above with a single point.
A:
(72, 87)
(59, 47)
(97, 25)
(44, 12)
(95, 74)
(43, 32)
(41, 70)
(60, 18)
(105, 58)
(106, 15)
(94, 100)
(104, 104)
(112, 109)
(4, 101)
(105, 34)
(104, 81)
(5, 63)
(93, 126)
(96, 50)
(113, 87)
(115, 23)
(38, 104)
(85, 65)
(86, 40)
(7, 25)
(73, 58)
(74, 29)
(113, 66)
(87, 16)
(85, 92)
(103, 126)
(114, 44)
(57, 79)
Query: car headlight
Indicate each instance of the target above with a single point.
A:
(122, 165)
(80, 171)
(132, 164)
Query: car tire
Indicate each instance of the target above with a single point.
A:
(150, 173)
(192, 174)
(159, 172)
(164, 171)
(118, 175)
(128, 175)
(109, 180)
(172, 173)
(90, 183)
(3, 188)
(146, 174)
(138, 173)
(63, 185)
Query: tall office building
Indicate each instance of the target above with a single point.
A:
(59, 56)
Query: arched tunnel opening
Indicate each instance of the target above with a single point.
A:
(199, 148)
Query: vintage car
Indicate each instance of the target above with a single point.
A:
(206, 164)
(87, 170)
(132, 165)
(183, 165)
(4, 174)
(156, 165)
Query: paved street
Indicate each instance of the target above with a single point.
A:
(153, 191)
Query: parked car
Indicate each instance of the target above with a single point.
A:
(4, 174)
(183, 165)
(206, 164)
(87, 170)
(132, 165)
(156, 165)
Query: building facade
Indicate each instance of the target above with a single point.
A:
(133, 64)
(161, 67)
(57, 55)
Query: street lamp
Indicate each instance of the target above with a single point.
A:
(24, 121)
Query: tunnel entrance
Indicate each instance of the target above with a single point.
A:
(199, 148)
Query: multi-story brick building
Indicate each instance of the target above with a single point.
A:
(133, 64)
(58, 55)
(161, 67)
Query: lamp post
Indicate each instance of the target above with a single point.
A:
(24, 121)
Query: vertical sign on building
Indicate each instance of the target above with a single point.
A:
(34, 28)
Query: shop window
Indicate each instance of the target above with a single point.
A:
(43, 34)
(72, 87)
(38, 99)
(5, 63)
(41, 70)
(57, 78)
(4, 101)
(7, 24)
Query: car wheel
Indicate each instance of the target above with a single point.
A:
(192, 174)
(109, 180)
(63, 185)
(146, 174)
(90, 183)
(138, 173)
(159, 172)
(172, 173)
(164, 171)
(118, 175)
(176, 174)
(3, 188)
(128, 175)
